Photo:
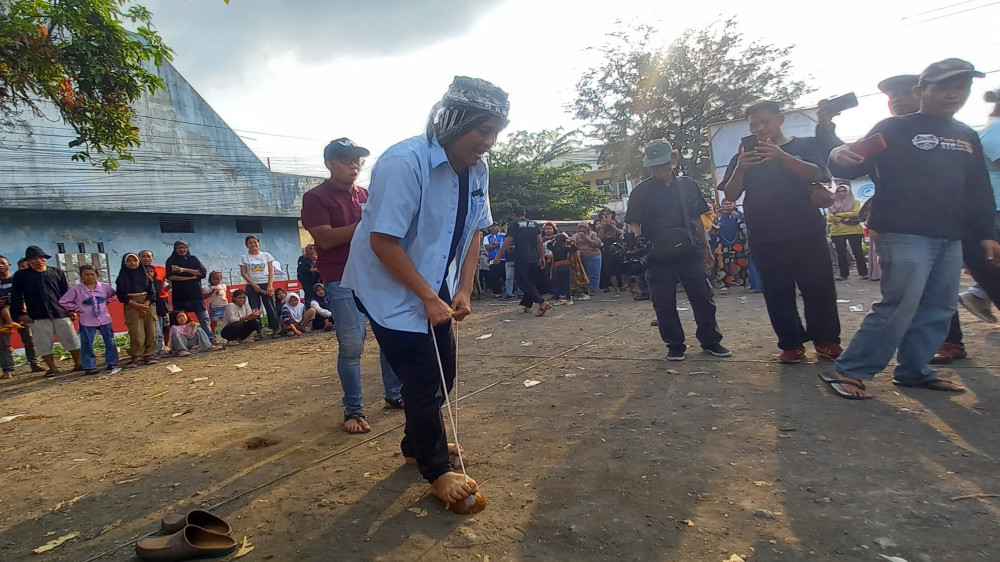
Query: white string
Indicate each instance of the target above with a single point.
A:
(447, 395)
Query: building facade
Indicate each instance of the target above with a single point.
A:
(193, 179)
(606, 179)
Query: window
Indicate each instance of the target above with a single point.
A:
(249, 226)
(622, 188)
(604, 185)
(176, 224)
(81, 247)
(100, 247)
(61, 248)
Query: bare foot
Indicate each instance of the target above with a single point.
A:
(854, 387)
(357, 424)
(527, 310)
(451, 487)
(452, 449)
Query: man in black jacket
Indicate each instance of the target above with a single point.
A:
(931, 191)
(36, 291)
(666, 210)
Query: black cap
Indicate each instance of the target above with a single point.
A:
(35, 252)
(947, 68)
(894, 83)
(343, 146)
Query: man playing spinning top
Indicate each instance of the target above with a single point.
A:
(414, 257)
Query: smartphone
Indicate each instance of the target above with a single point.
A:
(869, 146)
(840, 103)
(749, 143)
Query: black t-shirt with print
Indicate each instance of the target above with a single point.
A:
(525, 233)
(931, 179)
(777, 206)
(657, 207)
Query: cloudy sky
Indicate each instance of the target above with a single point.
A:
(291, 75)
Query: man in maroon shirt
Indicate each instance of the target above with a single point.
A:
(330, 212)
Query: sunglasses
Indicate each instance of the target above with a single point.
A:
(347, 161)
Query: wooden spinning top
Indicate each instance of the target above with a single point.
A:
(471, 504)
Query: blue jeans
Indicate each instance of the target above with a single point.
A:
(88, 360)
(592, 266)
(509, 283)
(351, 334)
(920, 277)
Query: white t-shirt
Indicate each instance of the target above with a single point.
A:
(257, 266)
(215, 299)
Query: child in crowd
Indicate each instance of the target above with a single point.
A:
(138, 297)
(294, 315)
(184, 334)
(90, 300)
(562, 251)
(280, 296)
(240, 321)
(218, 297)
(321, 304)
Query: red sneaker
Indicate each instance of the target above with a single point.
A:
(828, 350)
(948, 353)
(792, 355)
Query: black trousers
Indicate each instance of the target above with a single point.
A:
(662, 279)
(526, 275)
(414, 360)
(804, 262)
(987, 276)
(240, 330)
(841, 242)
(255, 300)
(496, 279)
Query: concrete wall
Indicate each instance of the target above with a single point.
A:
(215, 240)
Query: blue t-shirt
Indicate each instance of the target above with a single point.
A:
(990, 137)
(493, 239)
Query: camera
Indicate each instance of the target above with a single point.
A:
(634, 254)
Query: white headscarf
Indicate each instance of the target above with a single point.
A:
(294, 311)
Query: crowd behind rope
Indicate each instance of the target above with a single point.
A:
(168, 310)
(404, 256)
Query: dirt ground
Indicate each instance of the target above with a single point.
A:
(616, 454)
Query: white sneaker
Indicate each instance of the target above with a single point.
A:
(583, 298)
(569, 302)
(982, 308)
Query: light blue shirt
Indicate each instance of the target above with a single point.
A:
(990, 137)
(413, 195)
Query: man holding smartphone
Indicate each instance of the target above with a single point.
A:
(932, 191)
(786, 232)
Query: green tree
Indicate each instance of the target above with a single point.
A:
(532, 169)
(643, 92)
(78, 56)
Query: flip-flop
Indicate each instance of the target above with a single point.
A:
(358, 418)
(929, 385)
(173, 522)
(189, 542)
(836, 384)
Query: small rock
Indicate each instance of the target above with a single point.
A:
(885, 542)
(763, 514)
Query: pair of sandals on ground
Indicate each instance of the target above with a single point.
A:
(853, 389)
(198, 534)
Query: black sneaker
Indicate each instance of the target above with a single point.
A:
(718, 351)
(92, 372)
(394, 404)
(51, 373)
(675, 353)
(641, 297)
